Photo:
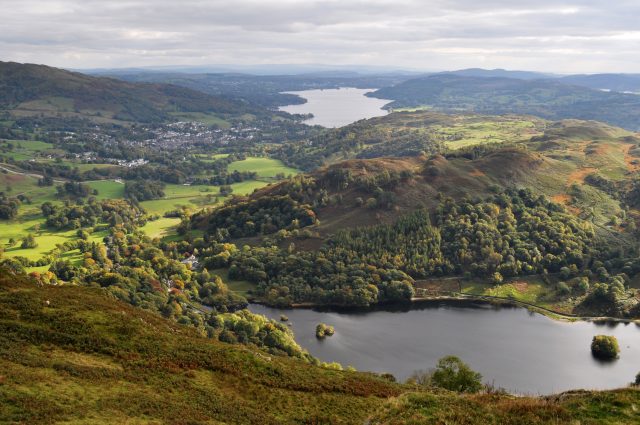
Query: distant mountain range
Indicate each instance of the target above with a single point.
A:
(134, 95)
(264, 90)
(501, 73)
(613, 82)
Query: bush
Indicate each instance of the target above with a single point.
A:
(637, 382)
(563, 288)
(29, 242)
(453, 374)
(605, 347)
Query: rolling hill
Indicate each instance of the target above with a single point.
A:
(613, 82)
(550, 99)
(370, 214)
(28, 90)
(76, 355)
(480, 154)
(263, 90)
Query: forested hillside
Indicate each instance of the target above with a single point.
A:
(556, 207)
(32, 90)
(550, 99)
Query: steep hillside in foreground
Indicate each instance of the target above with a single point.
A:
(73, 355)
(33, 90)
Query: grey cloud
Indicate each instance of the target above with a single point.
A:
(561, 36)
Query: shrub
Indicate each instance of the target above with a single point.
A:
(605, 347)
(453, 374)
(29, 242)
(563, 288)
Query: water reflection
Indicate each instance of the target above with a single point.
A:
(516, 349)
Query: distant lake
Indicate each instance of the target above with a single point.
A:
(521, 351)
(337, 107)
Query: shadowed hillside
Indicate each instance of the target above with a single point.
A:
(33, 90)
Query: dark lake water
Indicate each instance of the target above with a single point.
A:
(518, 350)
(337, 107)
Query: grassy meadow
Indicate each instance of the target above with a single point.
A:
(475, 132)
(266, 168)
(193, 197)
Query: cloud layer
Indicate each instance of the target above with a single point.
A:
(581, 36)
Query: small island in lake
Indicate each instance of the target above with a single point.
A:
(323, 330)
(605, 347)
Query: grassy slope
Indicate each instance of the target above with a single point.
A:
(580, 407)
(74, 355)
(85, 358)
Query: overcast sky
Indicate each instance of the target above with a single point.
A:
(581, 36)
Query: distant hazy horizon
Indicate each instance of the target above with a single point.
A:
(564, 37)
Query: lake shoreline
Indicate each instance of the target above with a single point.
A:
(458, 299)
(336, 107)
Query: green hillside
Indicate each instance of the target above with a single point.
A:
(75, 355)
(549, 220)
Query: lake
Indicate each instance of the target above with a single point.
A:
(513, 348)
(337, 107)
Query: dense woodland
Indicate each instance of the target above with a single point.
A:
(514, 233)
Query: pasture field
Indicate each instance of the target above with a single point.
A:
(196, 196)
(108, 189)
(31, 221)
(265, 167)
(46, 238)
(23, 150)
(161, 227)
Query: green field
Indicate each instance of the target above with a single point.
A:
(525, 289)
(195, 196)
(265, 167)
(108, 189)
(241, 287)
(211, 157)
(161, 227)
(30, 219)
(45, 238)
(23, 150)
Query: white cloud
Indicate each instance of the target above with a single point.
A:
(545, 35)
